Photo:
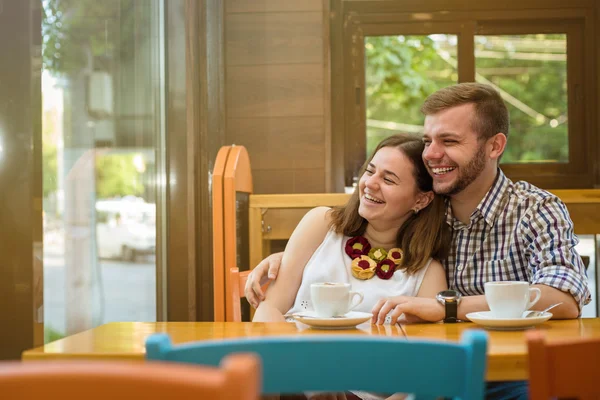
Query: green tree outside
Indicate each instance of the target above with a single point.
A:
(531, 69)
(117, 175)
(76, 32)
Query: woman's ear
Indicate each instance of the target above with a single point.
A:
(424, 199)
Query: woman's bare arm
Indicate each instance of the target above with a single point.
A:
(434, 280)
(306, 238)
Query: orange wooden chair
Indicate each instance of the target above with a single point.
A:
(556, 369)
(236, 281)
(238, 377)
(231, 175)
(218, 234)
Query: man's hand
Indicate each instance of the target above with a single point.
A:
(413, 308)
(265, 270)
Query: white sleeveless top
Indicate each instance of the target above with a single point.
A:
(330, 263)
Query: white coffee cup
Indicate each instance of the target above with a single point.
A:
(332, 299)
(510, 299)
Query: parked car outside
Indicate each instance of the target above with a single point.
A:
(125, 228)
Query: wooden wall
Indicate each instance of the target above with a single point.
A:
(276, 73)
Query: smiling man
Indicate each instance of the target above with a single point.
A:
(501, 230)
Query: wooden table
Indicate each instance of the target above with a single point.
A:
(507, 352)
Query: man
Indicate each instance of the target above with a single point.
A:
(500, 230)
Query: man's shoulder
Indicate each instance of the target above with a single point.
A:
(528, 194)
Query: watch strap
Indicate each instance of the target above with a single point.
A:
(451, 311)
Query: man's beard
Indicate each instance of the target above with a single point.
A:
(469, 173)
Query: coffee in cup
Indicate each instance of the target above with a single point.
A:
(510, 299)
(331, 299)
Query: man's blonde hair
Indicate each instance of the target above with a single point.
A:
(491, 114)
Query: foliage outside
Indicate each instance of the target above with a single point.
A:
(402, 70)
(78, 34)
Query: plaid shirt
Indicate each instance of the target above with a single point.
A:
(518, 232)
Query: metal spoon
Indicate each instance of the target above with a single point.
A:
(539, 313)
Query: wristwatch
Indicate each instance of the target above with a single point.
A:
(450, 299)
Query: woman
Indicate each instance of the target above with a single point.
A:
(392, 208)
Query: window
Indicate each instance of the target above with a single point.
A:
(393, 54)
(400, 71)
(103, 112)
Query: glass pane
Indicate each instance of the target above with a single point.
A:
(102, 116)
(530, 71)
(588, 249)
(401, 71)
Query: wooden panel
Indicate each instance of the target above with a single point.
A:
(289, 181)
(586, 218)
(585, 196)
(274, 38)
(329, 186)
(386, 6)
(280, 143)
(20, 215)
(298, 200)
(175, 298)
(247, 6)
(280, 223)
(592, 69)
(275, 91)
(256, 243)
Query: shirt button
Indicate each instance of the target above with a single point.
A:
(459, 267)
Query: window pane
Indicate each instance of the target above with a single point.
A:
(102, 116)
(588, 249)
(401, 71)
(530, 71)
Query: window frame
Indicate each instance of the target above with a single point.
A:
(353, 20)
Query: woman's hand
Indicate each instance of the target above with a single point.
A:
(265, 270)
(414, 309)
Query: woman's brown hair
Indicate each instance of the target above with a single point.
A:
(422, 235)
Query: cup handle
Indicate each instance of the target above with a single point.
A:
(538, 294)
(353, 296)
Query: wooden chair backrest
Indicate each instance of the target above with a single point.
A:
(231, 174)
(275, 216)
(218, 234)
(237, 283)
(336, 363)
(237, 178)
(238, 378)
(556, 369)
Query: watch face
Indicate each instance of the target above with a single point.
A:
(449, 295)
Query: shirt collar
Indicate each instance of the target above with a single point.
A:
(491, 203)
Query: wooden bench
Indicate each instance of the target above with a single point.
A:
(274, 216)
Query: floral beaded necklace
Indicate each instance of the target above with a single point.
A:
(368, 262)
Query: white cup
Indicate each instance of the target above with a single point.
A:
(333, 299)
(508, 299)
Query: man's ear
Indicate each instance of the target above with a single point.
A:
(497, 144)
(424, 199)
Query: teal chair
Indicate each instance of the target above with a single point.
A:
(329, 363)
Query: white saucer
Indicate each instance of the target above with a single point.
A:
(486, 319)
(350, 320)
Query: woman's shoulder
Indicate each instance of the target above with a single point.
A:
(319, 215)
(435, 267)
(315, 223)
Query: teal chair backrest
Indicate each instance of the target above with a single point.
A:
(329, 363)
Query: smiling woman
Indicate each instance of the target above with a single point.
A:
(392, 226)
